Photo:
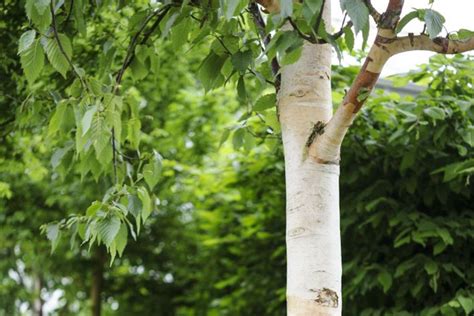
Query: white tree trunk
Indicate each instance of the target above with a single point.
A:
(312, 188)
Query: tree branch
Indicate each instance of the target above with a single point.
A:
(440, 45)
(266, 38)
(389, 19)
(160, 14)
(320, 16)
(372, 11)
(61, 48)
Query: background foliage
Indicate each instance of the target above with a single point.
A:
(213, 240)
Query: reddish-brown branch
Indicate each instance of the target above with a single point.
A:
(391, 16)
(362, 85)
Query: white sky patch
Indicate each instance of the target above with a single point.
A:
(456, 12)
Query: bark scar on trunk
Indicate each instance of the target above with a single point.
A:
(326, 297)
(318, 129)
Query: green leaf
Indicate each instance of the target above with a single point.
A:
(152, 171)
(32, 61)
(231, 7)
(58, 118)
(467, 303)
(464, 34)
(121, 239)
(435, 113)
(314, 5)
(238, 138)
(385, 279)
(286, 8)
(38, 13)
(169, 23)
(56, 57)
(265, 102)
(139, 70)
(93, 208)
(26, 40)
(146, 202)
(79, 17)
(349, 38)
(86, 121)
(210, 71)
(434, 22)
(58, 155)
(134, 205)
(431, 267)
(53, 233)
(468, 135)
(42, 5)
(133, 132)
(242, 60)
(241, 90)
(108, 229)
(101, 135)
(358, 12)
(406, 19)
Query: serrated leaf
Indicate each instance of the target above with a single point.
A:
(57, 118)
(86, 121)
(53, 233)
(32, 61)
(468, 135)
(431, 267)
(238, 138)
(265, 102)
(467, 304)
(56, 57)
(464, 34)
(42, 5)
(26, 40)
(134, 205)
(93, 208)
(286, 8)
(133, 132)
(314, 5)
(210, 71)
(121, 239)
(139, 71)
(241, 60)
(38, 13)
(435, 113)
(108, 229)
(358, 12)
(349, 38)
(152, 170)
(231, 6)
(434, 22)
(146, 202)
(385, 279)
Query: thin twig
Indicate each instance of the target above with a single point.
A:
(61, 48)
(160, 14)
(341, 31)
(266, 38)
(70, 12)
(300, 33)
(134, 42)
(320, 16)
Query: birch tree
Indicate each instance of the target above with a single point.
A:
(275, 53)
